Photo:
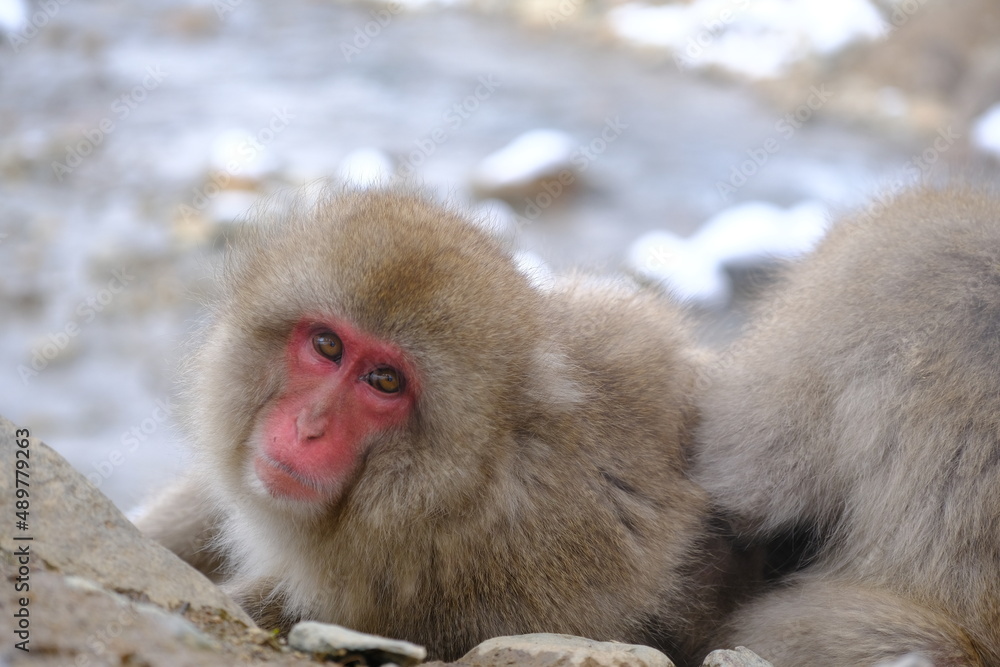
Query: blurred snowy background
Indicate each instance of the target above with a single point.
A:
(687, 143)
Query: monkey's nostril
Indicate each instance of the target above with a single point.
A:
(314, 433)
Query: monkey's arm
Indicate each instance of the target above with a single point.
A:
(181, 519)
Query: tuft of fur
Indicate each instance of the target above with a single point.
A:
(539, 485)
(866, 405)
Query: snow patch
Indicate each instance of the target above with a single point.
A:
(758, 38)
(747, 235)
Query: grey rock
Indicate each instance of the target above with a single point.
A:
(77, 622)
(549, 650)
(334, 641)
(741, 657)
(100, 593)
(164, 623)
(77, 531)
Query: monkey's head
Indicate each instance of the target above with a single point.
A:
(371, 349)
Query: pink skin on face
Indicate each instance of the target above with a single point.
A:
(314, 435)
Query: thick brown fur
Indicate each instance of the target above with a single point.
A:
(866, 405)
(539, 485)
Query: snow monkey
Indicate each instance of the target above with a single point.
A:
(398, 432)
(865, 407)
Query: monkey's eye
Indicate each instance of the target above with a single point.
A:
(385, 379)
(329, 345)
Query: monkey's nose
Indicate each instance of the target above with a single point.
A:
(310, 427)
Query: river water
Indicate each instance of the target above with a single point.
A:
(113, 115)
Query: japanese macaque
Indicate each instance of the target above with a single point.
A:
(397, 432)
(864, 408)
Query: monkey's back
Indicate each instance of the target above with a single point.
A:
(635, 371)
(866, 403)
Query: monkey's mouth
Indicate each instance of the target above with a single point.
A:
(282, 482)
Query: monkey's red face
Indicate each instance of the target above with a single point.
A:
(343, 388)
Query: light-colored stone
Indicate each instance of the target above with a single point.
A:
(547, 650)
(335, 642)
(741, 657)
(908, 660)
